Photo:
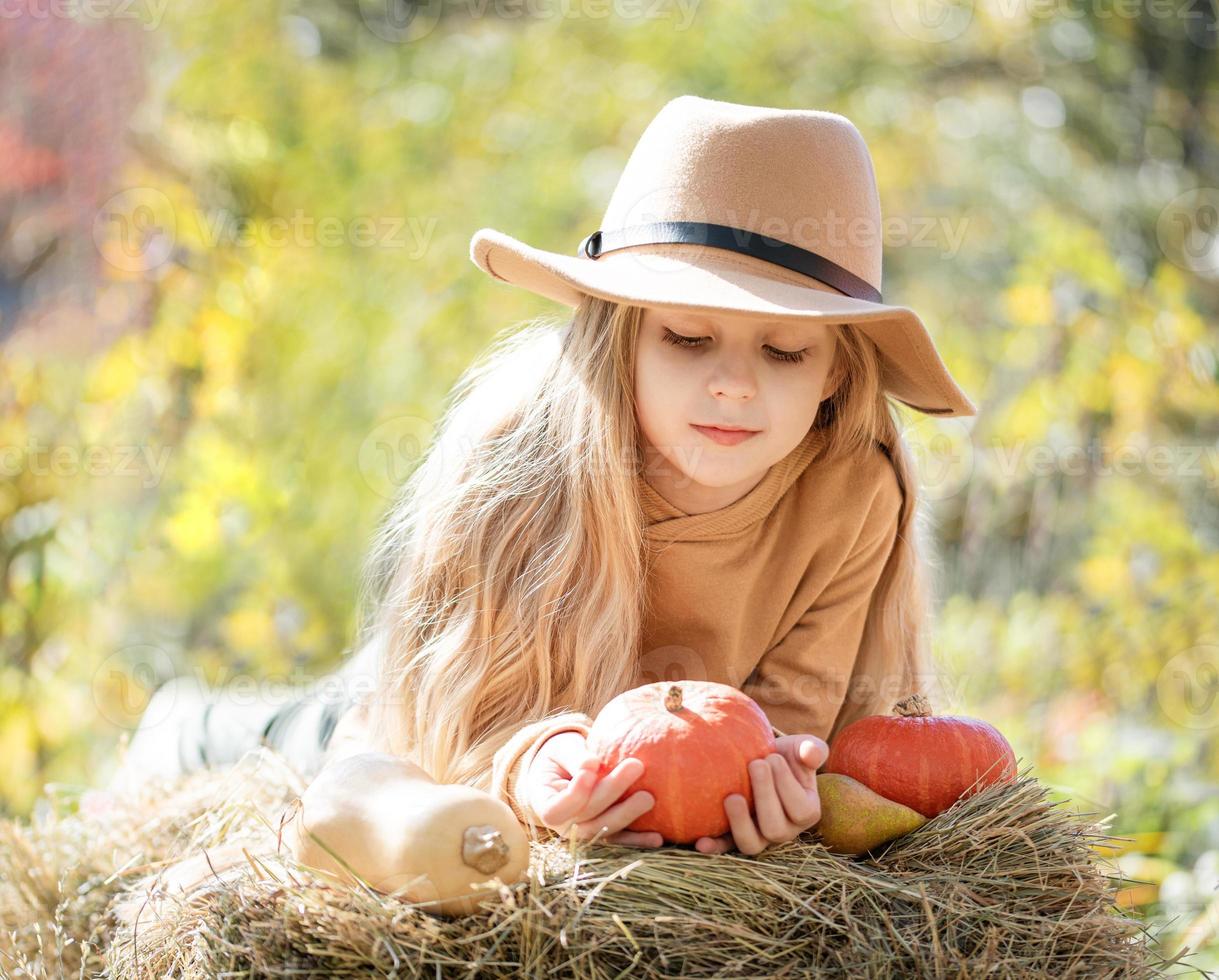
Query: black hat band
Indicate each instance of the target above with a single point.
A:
(736, 240)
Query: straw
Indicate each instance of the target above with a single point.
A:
(1005, 883)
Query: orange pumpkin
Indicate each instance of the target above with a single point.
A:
(695, 740)
(923, 761)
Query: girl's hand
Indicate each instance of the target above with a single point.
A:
(784, 795)
(564, 792)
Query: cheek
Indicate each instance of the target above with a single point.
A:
(656, 387)
(820, 378)
(801, 392)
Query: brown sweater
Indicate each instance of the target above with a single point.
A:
(768, 594)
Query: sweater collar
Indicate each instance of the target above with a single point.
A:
(665, 522)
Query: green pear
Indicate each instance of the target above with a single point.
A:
(854, 819)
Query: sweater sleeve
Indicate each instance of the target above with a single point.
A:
(804, 680)
(511, 761)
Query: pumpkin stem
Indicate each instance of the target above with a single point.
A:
(673, 698)
(913, 706)
(484, 848)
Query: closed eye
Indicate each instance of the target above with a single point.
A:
(678, 340)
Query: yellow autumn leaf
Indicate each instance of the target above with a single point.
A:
(1104, 575)
(1028, 304)
(18, 749)
(116, 374)
(193, 529)
(221, 343)
(249, 628)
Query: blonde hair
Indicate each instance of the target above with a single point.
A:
(505, 581)
(857, 416)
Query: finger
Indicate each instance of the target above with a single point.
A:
(813, 753)
(744, 833)
(616, 818)
(587, 761)
(804, 773)
(636, 838)
(586, 795)
(802, 807)
(612, 788)
(714, 845)
(805, 755)
(771, 819)
(563, 798)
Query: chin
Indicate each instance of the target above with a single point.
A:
(718, 473)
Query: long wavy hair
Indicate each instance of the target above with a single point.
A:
(504, 584)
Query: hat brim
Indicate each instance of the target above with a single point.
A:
(713, 280)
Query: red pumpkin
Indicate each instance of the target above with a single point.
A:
(695, 740)
(922, 761)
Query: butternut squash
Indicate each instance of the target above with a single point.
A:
(382, 818)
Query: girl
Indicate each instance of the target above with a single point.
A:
(584, 522)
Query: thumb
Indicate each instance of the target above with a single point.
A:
(813, 752)
(587, 761)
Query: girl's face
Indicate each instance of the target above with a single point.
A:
(695, 369)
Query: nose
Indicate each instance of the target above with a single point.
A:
(732, 377)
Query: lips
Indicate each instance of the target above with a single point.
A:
(725, 437)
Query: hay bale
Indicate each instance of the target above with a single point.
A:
(60, 874)
(1004, 883)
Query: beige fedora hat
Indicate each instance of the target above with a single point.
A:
(739, 209)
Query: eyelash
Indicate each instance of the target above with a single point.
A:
(678, 340)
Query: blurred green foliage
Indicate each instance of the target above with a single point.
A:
(1038, 166)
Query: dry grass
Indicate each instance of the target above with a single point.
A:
(1003, 884)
